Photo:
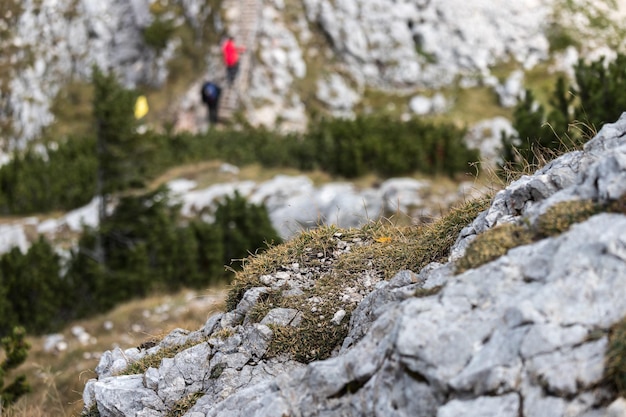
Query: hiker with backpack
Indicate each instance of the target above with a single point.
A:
(230, 52)
(211, 96)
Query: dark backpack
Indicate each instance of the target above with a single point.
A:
(210, 92)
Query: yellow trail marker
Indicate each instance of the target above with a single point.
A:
(141, 107)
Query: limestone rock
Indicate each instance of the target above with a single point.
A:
(524, 334)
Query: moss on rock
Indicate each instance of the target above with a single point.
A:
(493, 244)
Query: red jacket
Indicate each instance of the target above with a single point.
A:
(231, 52)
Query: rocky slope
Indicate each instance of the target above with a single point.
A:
(308, 56)
(512, 329)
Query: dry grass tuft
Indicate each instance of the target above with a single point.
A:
(562, 216)
(378, 251)
(496, 242)
(581, 133)
(493, 244)
(184, 404)
(615, 359)
(154, 360)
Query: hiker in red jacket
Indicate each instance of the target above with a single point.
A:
(231, 58)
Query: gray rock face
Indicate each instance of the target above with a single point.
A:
(485, 136)
(360, 45)
(523, 335)
(66, 38)
(295, 204)
(398, 43)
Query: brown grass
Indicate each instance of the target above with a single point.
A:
(58, 379)
(383, 249)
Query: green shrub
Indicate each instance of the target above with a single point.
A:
(149, 246)
(600, 91)
(533, 135)
(158, 33)
(560, 38)
(245, 228)
(576, 113)
(70, 173)
(15, 349)
(379, 144)
(57, 177)
(34, 288)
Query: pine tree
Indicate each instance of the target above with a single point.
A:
(210, 257)
(116, 139)
(533, 135)
(245, 227)
(35, 289)
(559, 118)
(116, 132)
(600, 89)
(15, 353)
(8, 319)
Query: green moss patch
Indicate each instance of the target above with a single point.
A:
(496, 242)
(562, 216)
(91, 412)
(427, 292)
(492, 245)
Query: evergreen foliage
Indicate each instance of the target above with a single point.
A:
(600, 89)
(67, 174)
(533, 133)
(15, 349)
(55, 177)
(595, 98)
(150, 247)
(33, 288)
(244, 227)
(118, 145)
(158, 33)
(351, 148)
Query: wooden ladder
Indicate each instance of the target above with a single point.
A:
(245, 31)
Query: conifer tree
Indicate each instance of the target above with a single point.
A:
(560, 117)
(245, 227)
(15, 349)
(532, 133)
(600, 89)
(7, 316)
(116, 142)
(116, 132)
(210, 256)
(596, 98)
(34, 286)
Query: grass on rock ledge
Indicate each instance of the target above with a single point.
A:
(497, 241)
(341, 263)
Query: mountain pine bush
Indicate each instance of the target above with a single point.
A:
(576, 112)
(15, 349)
